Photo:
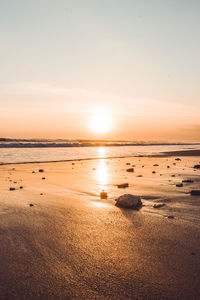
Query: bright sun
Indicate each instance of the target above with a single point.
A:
(100, 122)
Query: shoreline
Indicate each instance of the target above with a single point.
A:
(181, 153)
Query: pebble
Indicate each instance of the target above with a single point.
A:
(130, 170)
(195, 192)
(103, 195)
(123, 185)
(179, 185)
(158, 205)
(12, 189)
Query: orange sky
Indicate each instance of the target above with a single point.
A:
(93, 69)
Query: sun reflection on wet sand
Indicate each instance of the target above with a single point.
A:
(99, 204)
(102, 174)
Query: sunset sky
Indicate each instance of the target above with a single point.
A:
(102, 69)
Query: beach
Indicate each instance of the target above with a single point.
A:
(59, 240)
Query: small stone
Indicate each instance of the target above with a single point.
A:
(103, 195)
(128, 164)
(159, 205)
(153, 172)
(195, 192)
(177, 158)
(187, 181)
(123, 185)
(170, 217)
(21, 187)
(43, 178)
(139, 176)
(156, 165)
(197, 167)
(12, 189)
(168, 167)
(31, 204)
(179, 185)
(130, 170)
(33, 171)
(41, 170)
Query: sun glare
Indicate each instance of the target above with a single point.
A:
(100, 122)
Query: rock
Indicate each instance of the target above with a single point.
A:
(122, 186)
(159, 205)
(170, 217)
(168, 167)
(33, 171)
(41, 170)
(103, 195)
(130, 170)
(179, 185)
(43, 178)
(173, 175)
(195, 192)
(31, 204)
(128, 164)
(12, 189)
(197, 167)
(156, 165)
(153, 172)
(129, 201)
(177, 158)
(21, 187)
(187, 181)
(139, 176)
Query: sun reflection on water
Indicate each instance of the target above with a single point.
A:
(101, 151)
(102, 174)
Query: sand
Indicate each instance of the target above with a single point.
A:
(72, 245)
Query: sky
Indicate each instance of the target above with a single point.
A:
(100, 69)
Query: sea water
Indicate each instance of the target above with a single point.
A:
(48, 154)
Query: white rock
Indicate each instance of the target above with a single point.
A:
(129, 201)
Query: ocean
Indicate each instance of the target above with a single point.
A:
(18, 153)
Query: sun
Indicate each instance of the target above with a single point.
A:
(100, 122)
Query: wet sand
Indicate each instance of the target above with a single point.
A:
(73, 245)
